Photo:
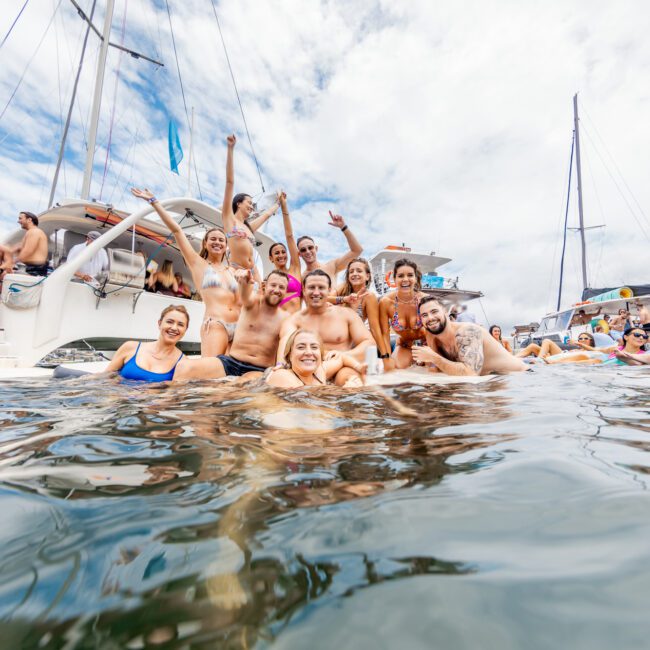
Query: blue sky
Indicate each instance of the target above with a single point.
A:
(445, 126)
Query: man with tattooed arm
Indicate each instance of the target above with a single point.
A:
(460, 348)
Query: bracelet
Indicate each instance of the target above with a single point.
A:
(286, 214)
(339, 300)
(344, 228)
(152, 200)
(384, 356)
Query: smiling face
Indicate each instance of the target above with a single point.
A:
(358, 275)
(405, 278)
(23, 221)
(247, 207)
(316, 291)
(306, 354)
(275, 288)
(307, 250)
(278, 256)
(636, 339)
(434, 318)
(496, 333)
(172, 326)
(215, 243)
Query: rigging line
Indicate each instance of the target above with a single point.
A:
(115, 87)
(620, 173)
(487, 320)
(38, 47)
(241, 108)
(632, 212)
(566, 220)
(4, 40)
(180, 79)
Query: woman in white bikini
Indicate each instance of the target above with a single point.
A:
(235, 213)
(211, 276)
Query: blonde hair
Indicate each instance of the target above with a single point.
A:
(178, 308)
(204, 249)
(288, 348)
(166, 274)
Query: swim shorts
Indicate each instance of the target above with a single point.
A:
(236, 368)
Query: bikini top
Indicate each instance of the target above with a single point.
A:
(294, 289)
(397, 326)
(131, 370)
(314, 375)
(212, 278)
(240, 233)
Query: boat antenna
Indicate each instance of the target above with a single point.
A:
(583, 242)
(566, 217)
(241, 109)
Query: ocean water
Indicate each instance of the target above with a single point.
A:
(509, 514)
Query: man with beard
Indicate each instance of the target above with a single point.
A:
(256, 336)
(308, 250)
(339, 328)
(460, 348)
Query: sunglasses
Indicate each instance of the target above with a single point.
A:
(636, 335)
(308, 248)
(584, 338)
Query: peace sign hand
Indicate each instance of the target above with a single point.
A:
(336, 220)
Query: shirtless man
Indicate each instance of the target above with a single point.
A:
(256, 337)
(644, 315)
(339, 328)
(32, 250)
(460, 348)
(619, 322)
(308, 250)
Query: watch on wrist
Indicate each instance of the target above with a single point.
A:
(384, 356)
(344, 228)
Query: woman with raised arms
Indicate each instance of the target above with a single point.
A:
(279, 258)
(398, 311)
(157, 360)
(211, 276)
(304, 364)
(235, 213)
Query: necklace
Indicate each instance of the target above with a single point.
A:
(410, 301)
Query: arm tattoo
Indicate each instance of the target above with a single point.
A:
(470, 348)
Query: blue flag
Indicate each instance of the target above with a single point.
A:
(175, 149)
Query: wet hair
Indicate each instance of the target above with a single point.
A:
(239, 198)
(494, 327)
(427, 299)
(304, 237)
(282, 274)
(347, 287)
(31, 216)
(178, 308)
(317, 273)
(277, 243)
(406, 262)
(288, 348)
(204, 250)
(592, 340)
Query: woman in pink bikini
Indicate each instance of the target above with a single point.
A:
(235, 213)
(278, 255)
(398, 311)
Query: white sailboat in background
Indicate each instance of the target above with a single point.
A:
(39, 316)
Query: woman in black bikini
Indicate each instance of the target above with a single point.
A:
(304, 365)
(398, 311)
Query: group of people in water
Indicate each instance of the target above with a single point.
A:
(296, 327)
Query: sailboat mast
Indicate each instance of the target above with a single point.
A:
(97, 100)
(579, 180)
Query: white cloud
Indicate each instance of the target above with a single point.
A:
(446, 127)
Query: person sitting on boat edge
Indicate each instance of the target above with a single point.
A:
(308, 251)
(155, 361)
(235, 215)
(495, 332)
(289, 264)
(210, 275)
(340, 329)
(460, 348)
(255, 343)
(30, 256)
(92, 270)
(398, 311)
(306, 364)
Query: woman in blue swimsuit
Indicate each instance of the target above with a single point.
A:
(155, 361)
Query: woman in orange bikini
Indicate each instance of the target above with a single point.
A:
(398, 311)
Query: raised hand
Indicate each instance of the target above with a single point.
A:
(231, 140)
(336, 220)
(282, 200)
(144, 194)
